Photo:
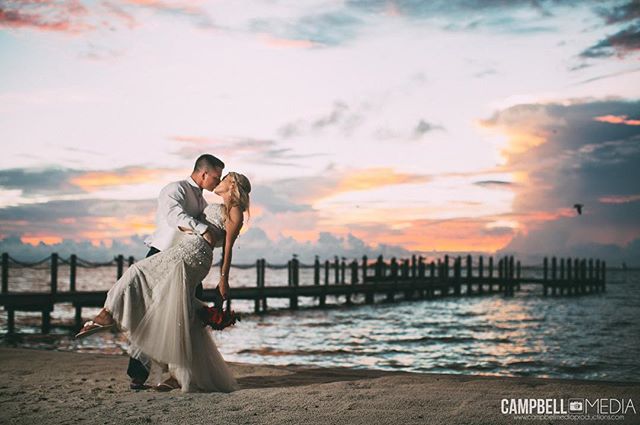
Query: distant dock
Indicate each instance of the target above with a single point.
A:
(406, 279)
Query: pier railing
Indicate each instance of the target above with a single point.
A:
(409, 278)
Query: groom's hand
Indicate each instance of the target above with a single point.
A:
(208, 237)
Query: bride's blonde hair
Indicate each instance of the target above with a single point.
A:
(240, 189)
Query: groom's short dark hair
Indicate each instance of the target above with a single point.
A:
(207, 161)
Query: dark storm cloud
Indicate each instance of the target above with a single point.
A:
(52, 211)
(620, 13)
(40, 181)
(621, 43)
(591, 152)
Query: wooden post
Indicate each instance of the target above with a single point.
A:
(120, 264)
(545, 284)
(490, 274)
(394, 276)
(570, 277)
(323, 297)
(603, 285)
(336, 265)
(500, 274)
(54, 273)
(131, 260)
(5, 272)
(364, 268)
(554, 276)
(480, 273)
(316, 271)
(518, 273)
(368, 296)
(421, 277)
(576, 275)
(293, 279)
(457, 266)
(256, 304)
(469, 274)
(446, 267)
(343, 268)
(263, 267)
(72, 288)
(354, 279)
(414, 266)
(406, 274)
(597, 276)
(512, 275)
(561, 277)
(591, 276)
(583, 276)
(432, 279)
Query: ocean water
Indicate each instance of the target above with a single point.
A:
(594, 337)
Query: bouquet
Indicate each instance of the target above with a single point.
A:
(216, 316)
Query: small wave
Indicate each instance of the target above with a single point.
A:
(268, 351)
(448, 339)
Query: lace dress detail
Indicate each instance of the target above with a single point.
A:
(215, 217)
(154, 303)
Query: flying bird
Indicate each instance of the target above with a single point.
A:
(578, 208)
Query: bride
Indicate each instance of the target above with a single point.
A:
(154, 301)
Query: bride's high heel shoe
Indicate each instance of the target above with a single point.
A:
(90, 327)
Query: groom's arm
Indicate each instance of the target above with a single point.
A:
(173, 201)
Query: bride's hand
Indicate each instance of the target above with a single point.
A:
(223, 287)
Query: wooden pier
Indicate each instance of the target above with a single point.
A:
(406, 279)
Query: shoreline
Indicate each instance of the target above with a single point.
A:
(38, 386)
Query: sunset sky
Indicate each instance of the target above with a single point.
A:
(455, 125)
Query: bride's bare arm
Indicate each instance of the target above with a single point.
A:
(233, 226)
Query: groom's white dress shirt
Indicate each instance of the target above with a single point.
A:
(180, 204)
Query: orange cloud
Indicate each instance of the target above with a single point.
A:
(44, 16)
(374, 178)
(34, 240)
(617, 119)
(95, 180)
(106, 228)
(285, 43)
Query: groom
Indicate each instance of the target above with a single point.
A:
(179, 205)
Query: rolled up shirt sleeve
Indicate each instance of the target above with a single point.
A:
(173, 201)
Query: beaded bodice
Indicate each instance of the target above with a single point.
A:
(215, 217)
(192, 250)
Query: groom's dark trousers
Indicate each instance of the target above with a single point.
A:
(136, 369)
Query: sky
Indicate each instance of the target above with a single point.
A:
(364, 126)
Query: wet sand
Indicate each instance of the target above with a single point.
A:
(65, 387)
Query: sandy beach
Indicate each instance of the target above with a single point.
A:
(65, 387)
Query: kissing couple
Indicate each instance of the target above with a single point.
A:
(156, 302)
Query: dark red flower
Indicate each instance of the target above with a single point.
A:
(218, 318)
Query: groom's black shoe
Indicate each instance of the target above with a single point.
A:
(137, 385)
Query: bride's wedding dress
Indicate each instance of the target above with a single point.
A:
(154, 303)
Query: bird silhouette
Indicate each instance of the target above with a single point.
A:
(578, 208)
